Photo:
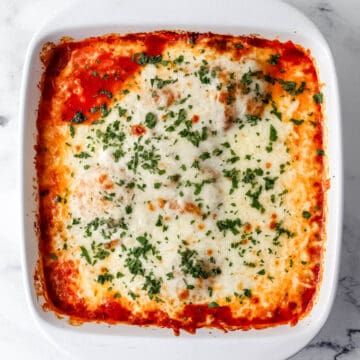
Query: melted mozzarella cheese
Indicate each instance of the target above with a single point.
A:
(88, 195)
(182, 192)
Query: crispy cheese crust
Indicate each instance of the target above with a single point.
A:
(181, 180)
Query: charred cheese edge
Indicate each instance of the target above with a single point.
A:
(181, 180)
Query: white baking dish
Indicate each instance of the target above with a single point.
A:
(267, 18)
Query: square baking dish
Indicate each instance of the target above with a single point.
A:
(268, 19)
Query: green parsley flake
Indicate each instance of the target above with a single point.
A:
(150, 120)
(318, 98)
(273, 133)
(213, 305)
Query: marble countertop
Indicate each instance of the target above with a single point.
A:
(340, 24)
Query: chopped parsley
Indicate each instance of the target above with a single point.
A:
(150, 120)
(246, 78)
(318, 98)
(105, 92)
(252, 119)
(78, 118)
(72, 130)
(199, 186)
(198, 268)
(103, 278)
(232, 225)
(280, 230)
(233, 175)
(203, 74)
(213, 305)
(143, 59)
(273, 133)
(247, 293)
(152, 285)
(269, 182)
(160, 83)
(133, 260)
(254, 196)
(275, 111)
(274, 59)
(85, 254)
(53, 256)
(296, 122)
(195, 137)
(291, 87)
(179, 60)
(204, 156)
(82, 155)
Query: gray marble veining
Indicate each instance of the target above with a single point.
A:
(3, 120)
(339, 21)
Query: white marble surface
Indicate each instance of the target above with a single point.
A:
(338, 20)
